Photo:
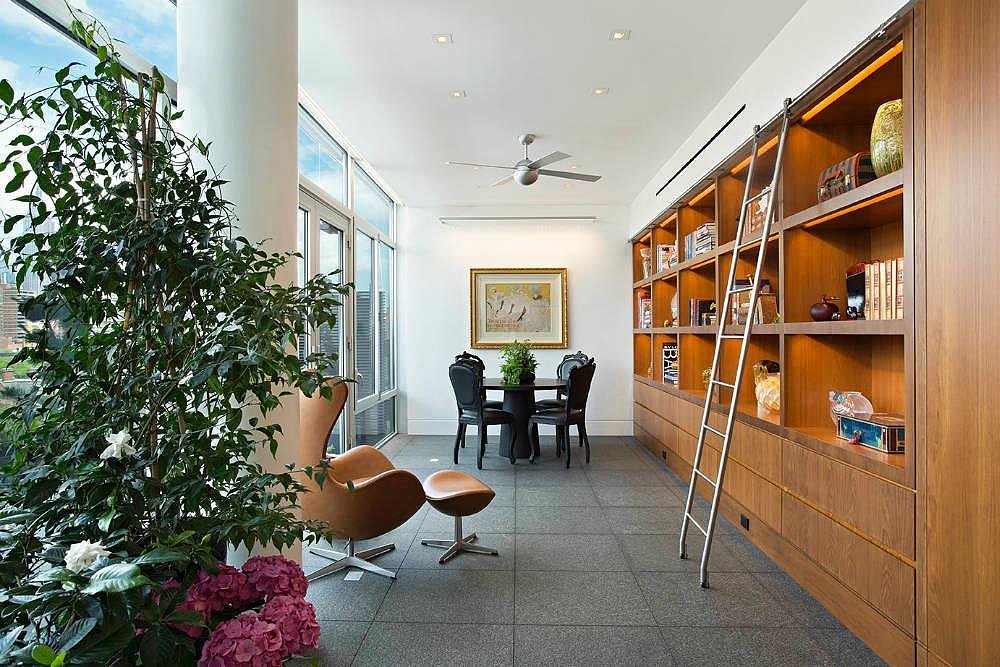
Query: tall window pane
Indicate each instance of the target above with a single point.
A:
(331, 258)
(385, 305)
(364, 325)
(30, 53)
(149, 28)
(302, 268)
(321, 159)
(371, 203)
(376, 423)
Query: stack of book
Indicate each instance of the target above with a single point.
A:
(875, 289)
(701, 240)
(703, 312)
(666, 256)
(671, 365)
(645, 309)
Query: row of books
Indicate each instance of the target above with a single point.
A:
(645, 309)
(703, 312)
(701, 240)
(666, 256)
(671, 364)
(875, 289)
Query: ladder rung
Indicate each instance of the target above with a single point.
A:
(741, 288)
(704, 477)
(724, 384)
(696, 524)
(715, 431)
(748, 244)
(759, 195)
(732, 336)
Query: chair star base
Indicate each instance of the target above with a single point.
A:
(459, 544)
(358, 560)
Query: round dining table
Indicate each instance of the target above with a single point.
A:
(519, 400)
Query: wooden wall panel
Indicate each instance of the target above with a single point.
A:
(962, 375)
(875, 507)
(882, 579)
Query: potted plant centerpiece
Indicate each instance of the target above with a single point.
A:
(519, 363)
(162, 344)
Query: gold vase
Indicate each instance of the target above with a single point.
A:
(887, 138)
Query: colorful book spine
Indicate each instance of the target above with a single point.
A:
(899, 288)
(868, 292)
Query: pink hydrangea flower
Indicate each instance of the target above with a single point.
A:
(210, 593)
(244, 640)
(296, 619)
(270, 576)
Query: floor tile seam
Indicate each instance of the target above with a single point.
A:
(364, 637)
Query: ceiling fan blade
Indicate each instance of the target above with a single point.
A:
(569, 174)
(476, 164)
(548, 159)
(504, 180)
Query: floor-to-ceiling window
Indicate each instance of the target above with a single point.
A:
(375, 217)
(346, 223)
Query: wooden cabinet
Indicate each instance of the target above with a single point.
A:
(957, 368)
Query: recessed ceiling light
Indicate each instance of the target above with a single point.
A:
(443, 38)
(458, 93)
(601, 91)
(573, 166)
(619, 35)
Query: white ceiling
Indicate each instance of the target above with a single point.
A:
(527, 67)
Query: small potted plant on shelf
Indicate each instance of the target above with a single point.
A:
(518, 363)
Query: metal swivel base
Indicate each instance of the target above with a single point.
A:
(342, 561)
(452, 548)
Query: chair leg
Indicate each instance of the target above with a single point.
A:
(513, 443)
(482, 446)
(581, 429)
(569, 449)
(459, 440)
(342, 561)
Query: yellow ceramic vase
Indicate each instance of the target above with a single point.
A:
(887, 138)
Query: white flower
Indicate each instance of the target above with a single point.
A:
(118, 446)
(80, 556)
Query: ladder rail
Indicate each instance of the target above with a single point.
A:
(706, 410)
(744, 346)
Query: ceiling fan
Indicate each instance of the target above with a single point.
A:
(527, 171)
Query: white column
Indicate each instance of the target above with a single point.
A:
(237, 84)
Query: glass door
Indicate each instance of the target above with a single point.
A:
(324, 229)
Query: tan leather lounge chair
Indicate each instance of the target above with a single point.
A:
(382, 498)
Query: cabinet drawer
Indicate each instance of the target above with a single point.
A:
(750, 490)
(886, 582)
(875, 507)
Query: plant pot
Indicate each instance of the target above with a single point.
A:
(887, 138)
(527, 377)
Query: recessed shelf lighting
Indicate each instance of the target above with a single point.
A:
(620, 35)
(458, 93)
(443, 38)
(601, 91)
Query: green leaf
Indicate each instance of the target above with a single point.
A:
(16, 182)
(59, 660)
(43, 654)
(160, 555)
(157, 647)
(74, 633)
(56, 574)
(115, 579)
(6, 92)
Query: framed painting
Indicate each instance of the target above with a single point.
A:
(522, 304)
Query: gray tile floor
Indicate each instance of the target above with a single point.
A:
(588, 574)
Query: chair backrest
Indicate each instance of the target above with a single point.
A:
(578, 386)
(469, 358)
(570, 361)
(467, 382)
(317, 417)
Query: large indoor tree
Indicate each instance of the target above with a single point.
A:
(162, 344)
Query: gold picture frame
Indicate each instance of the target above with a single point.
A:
(523, 304)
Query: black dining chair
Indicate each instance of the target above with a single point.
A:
(568, 362)
(469, 358)
(467, 381)
(574, 412)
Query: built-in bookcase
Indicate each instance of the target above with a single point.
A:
(810, 248)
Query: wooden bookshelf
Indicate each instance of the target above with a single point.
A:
(794, 458)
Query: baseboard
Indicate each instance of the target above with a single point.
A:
(447, 427)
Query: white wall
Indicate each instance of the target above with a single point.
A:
(434, 263)
(812, 42)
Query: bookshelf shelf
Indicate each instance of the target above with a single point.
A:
(846, 328)
(871, 205)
